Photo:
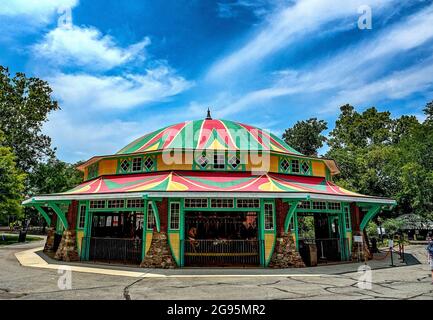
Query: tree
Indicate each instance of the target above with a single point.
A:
(24, 107)
(354, 130)
(11, 183)
(54, 176)
(428, 111)
(381, 156)
(306, 136)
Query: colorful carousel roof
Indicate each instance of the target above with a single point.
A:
(193, 181)
(209, 134)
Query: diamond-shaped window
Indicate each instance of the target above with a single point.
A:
(234, 162)
(285, 165)
(148, 163)
(124, 165)
(305, 167)
(202, 161)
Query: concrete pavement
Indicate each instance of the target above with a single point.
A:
(408, 281)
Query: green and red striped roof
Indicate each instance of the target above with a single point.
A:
(187, 181)
(209, 134)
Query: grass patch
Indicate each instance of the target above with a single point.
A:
(6, 239)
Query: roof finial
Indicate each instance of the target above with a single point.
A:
(208, 117)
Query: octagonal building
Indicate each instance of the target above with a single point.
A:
(208, 193)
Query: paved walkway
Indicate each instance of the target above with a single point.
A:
(39, 280)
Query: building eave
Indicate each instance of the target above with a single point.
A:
(177, 194)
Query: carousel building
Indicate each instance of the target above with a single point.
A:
(207, 193)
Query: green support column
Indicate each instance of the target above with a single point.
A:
(43, 213)
(262, 232)
(143, 246)
(182, 232)
(60, 214)
(372, 211)
(87, 232)
(295, 225)
(290, 213)
(155, 211)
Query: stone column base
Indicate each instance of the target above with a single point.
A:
(159, 254)
(49, 244)
(360, 253)
(285, 254)
(67, 250)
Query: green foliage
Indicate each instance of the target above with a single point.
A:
(371, 230)
(391, 226)
(54, 176)
(306, 136)
(24, 107)
(381, 156)
(11, 183)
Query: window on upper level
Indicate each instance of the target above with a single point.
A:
(305, 167)
(234, 161)
(285, 165)
(92, 171)
(295, 166)
(219, 161)
(148, 163)
(202, 161)
(137, 164)
(125, 165)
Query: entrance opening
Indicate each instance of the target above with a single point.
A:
(218, 239)
(116, 237)
(321, 231)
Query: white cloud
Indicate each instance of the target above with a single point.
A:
(230, 8)
(118, 92)
(86, 47)
(39, 11)
(350, 73)
(303, 17)
(397, 85)
(81, 139)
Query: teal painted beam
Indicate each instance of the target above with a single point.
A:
(372, 211)
(43, 213)
(290, 214)
(155, 211)
(145, 213)
(60, 214)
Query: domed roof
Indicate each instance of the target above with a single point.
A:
(211, 135)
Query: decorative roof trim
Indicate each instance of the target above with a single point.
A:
(177, 194)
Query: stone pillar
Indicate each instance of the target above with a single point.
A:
(285, 254)
(360, 251)
(49, 244)
(159, 254)
(67, 250)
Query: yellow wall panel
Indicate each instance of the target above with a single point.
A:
(175, 245)
(163, 160)
(149, 235)
(319, 169)
(269, 245)
(108, 166)
(79, 238)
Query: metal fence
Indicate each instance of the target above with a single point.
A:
(219, 253)
(114, 250)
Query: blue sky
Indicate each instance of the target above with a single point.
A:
(120, 69)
